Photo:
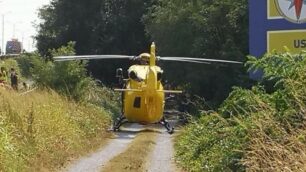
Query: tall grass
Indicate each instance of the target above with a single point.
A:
(68, 115)
(262, 129)
(41, 130)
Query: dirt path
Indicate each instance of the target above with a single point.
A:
(96, 161)
(160, 159)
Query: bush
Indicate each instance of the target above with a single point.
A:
(253, 130)
(69, 79)
(25, 63)
(211, 144)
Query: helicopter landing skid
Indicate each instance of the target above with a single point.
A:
(119, 121)
(166, 124)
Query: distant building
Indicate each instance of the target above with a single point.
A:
(13, 47)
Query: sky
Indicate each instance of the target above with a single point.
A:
(21, 14)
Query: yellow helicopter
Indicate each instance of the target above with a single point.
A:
(143, 95)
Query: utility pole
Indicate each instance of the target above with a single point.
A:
(22, 39)
(2, 34)
(2, 47)
(14, 27)
(29, 45)
(3, 14)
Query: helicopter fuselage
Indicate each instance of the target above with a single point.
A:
(144, 99)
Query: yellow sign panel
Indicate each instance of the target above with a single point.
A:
(295, 40)
(272, 10)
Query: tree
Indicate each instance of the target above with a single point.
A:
(68, 20)
(98, 27)
(201, 28)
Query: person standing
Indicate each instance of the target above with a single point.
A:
(14, 79)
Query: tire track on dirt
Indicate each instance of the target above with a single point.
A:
(159, 159)
(95, 161)
(162, 157)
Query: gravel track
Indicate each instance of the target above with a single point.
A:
(95, 161)
(159, 160)
(162, 156)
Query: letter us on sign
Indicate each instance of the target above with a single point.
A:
(295, 40)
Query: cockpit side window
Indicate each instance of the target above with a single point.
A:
(133, 75)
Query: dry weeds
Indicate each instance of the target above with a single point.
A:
(135, 157)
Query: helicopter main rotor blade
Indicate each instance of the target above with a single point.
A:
(184, 60)
(200, 59)
(90, 57)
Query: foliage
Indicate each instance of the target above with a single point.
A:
(69, 79)
(107, 98)
(244, 102)
(280, 66)
(265, 128)
(8, 64)
(41, 130)
(107, 26)
(98, 27)
(210, 145)
(25, 63)
(205, 29)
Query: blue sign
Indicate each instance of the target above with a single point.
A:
(261, 21)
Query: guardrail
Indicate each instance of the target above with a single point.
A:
(9, 56)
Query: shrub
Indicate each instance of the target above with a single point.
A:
(211, 144)
(25, 63)
(253, 130)
(68, 78)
